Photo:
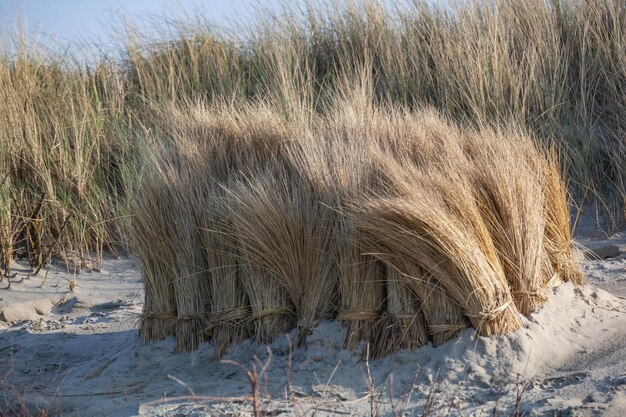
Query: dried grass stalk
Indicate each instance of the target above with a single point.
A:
(442, 314)
(361, 276)
(558, 236)
(288, 234)
(190, 271)
(402, 325)
(272, 309)
(511, 200)
(6, 227)
(335, 160)
(230, 308)
(362, 288)
(168, 241)
(436, 224)
(153, 245)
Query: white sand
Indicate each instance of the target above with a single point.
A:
(84, 357)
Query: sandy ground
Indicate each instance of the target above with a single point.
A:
(79, 353)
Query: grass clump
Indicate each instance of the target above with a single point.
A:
(311, 184)
(400, 224)
(68, 130)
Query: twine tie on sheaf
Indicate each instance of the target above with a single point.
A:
(489, 314)
(434, 329)
(358, 314)
(161, 315)
(173, 316)
(401, 316)
(230, 316)
(542, 295)
(270, 312)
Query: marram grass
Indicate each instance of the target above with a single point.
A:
(69, 133)
(401, 225)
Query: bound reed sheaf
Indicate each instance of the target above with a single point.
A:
(400, 224)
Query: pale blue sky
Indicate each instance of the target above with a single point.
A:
(94, 26)
(78, 21)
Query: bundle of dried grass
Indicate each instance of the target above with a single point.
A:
(229, 318)
(339, 166)
(443, 318)
(272, 310)
(192, 287)
(362, 288)
(402, 324)
(558, 237)
(541, 165)
(6, 230)
(154, 247)
(435, 223)
(165, 228)
(286, 234)
(511, 200)
(423, 228)
(425, 141)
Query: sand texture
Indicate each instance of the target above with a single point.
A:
(80, 354)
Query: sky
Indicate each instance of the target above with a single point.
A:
(78, 22)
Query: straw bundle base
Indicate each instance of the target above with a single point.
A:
(189, 333)
(157, 326)
(398, 331)
(229, 328)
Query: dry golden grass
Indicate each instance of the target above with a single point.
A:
(229, 306)
(153, 246)
(437, 224)
(289, 234)
(402, 325)
(400, 224)
(510, 196)
(69, 132)
(6, 229)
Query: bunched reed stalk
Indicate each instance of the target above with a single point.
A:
(443, 318)
(558, 237)
(511, 198)
(189, 269)
(402, 324)
(438, 226)
(168, 225)
(272, 311)
(315, 117)
(154, 247)
(230, 308)
(340, 168)
(287, 233)
(400, 224)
